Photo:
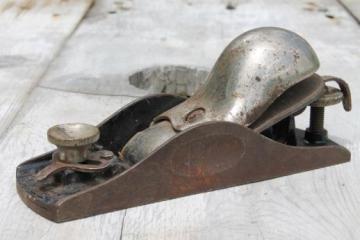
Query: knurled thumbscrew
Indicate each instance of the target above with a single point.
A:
(316, 134)
(73, 140)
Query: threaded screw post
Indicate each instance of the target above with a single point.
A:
(317, 119)
(316, 134)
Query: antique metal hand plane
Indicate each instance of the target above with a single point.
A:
(237, 128)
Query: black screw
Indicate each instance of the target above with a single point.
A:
(317, 119)
(316, 134)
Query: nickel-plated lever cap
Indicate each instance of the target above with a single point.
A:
(250, 74)
(252, 71)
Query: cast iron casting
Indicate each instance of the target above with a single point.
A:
(237, 128)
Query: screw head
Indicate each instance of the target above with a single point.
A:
(73, 134)
(330, 97)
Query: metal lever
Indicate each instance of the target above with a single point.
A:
(74, 141)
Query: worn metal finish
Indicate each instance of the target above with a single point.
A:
(73, 134)
(73, 140)
(293, 100)
(330, 97)
(74, 150)
(316, 133)
(290, 102)
(95, 161)
(252, 71)
(44, 188)
(333, 95)
(145, 142)
(238, 128)
(207, 157)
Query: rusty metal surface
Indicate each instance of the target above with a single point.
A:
(238, 128)
(95, 162)
(75, 150)
(207, 157)
(114, 133)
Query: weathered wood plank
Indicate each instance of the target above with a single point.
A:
(353, 7)
(32, 32)
(120, 38)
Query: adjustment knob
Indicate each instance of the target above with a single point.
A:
(331, 96)
(73, 140)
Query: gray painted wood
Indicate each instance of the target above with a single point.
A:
(353, 6)
(32, 32)
(90, 79)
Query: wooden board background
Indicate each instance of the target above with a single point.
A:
(54, 69)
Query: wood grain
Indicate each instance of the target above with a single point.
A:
(353, 7)
(32, 32)
(90, 79)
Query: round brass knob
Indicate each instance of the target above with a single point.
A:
(73, 140)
